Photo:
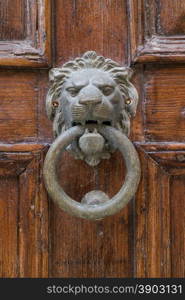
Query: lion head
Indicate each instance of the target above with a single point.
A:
(91, 90)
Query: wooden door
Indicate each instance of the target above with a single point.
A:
(147, 238)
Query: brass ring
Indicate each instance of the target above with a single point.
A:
(92, 212)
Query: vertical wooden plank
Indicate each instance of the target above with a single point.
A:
(9, 263)
(177, 192)
(136, 14)
(137, 123)
(153, 222)
(165, 232)
(33, 222)
(44, 125)
(140, 232)
(23, 213)
(153, 255)
(80, 248)
(91, 25)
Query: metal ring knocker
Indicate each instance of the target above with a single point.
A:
(98, 211)
(90, 101)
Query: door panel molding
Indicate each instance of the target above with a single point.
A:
(148, 37)
(23, 212)
(159, 236)
(34, 50)
(163, 103)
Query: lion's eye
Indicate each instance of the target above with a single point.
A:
(107, 90)
(73, 91)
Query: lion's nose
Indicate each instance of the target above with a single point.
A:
(90, 101)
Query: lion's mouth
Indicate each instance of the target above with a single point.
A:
(92, 122)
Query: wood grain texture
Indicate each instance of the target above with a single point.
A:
(137, 123)
(152, 224)
(12, 25)
(158, 237)
(145, 239)
(91, 25)
(45, 132)
(22, 103)
(25, 38)
(171, 17)
(156, 31)
(18, 114)
(8, 222)
(23, 215)
(177, 191)
(82, 248)
(164, 103)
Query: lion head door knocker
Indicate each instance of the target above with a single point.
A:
(90, 102)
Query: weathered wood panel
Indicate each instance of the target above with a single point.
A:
(164, 103)
(160, 228)
(146, 239)
(91, 25)
(22, 101)
(171, 19)
(25, 33)
(23, 214)
(12, 16)
(157, 30)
